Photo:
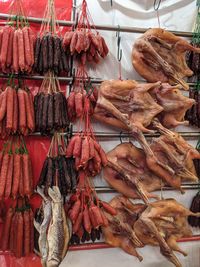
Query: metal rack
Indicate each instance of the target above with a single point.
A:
(65, 79)
(107, 189)
(102, 245)
(104, 135)
(99, 27)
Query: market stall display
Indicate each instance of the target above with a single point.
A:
(71, 212)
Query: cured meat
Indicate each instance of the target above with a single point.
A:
(159, 55)
(128, 172)
(141, 103)
(159, 225)
(131, 99)
(131, 172)
(137, 225)
(174, 104)
(120, 232)
(176, 157)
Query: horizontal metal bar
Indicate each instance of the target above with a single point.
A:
(66, 79)
(125, 135)
(107, 189)
(103, 245)
(37, 20)
(35, 77)
(99, 27)
(137, 30)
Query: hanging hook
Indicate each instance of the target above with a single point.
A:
(156, 5)
(119, 50)
(120, 137)
(198, 145)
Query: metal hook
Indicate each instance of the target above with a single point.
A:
(198, 145)
(119, 50)
(158, 4)
(120, 137)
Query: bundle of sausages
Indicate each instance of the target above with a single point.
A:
(50, 106)
(195, 207)
(16, 177)
(16, 49)
(50, 55)
(83, 96)
(193, 114)
(2, 211)
(18, 231)
(86, 44)
(86, 211)
(16, 111)
(57, 169)
(88, 154)
(49, 52)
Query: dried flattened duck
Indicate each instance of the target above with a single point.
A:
(128, 173)
(131, 173)
(174, 105)
(115, 106)
(157, 224)
(159, 55)
(175, 155)
(120, 230)
(140, 104)
(131, 100)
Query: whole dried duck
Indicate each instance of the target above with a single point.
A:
(55, 230)
(140, 104)
(129, 99)
(159, 55)
(175, 155)
(114, 106)
(128, 173)
(157, 224)
(132, 174)
(174, 104)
